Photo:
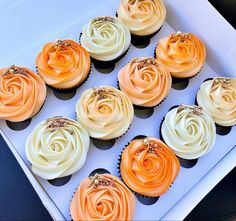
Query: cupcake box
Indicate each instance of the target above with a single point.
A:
(194, 179)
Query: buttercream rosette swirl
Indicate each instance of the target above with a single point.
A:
(142, 17)
(22, 93)
(145, 80)
(63, 64)
(57, 147)
(106, 38)
(105, 112)
(182, 53)
(102, 197)
(148, 166)
(218, 98)
(189, 131)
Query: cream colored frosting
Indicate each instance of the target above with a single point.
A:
(57, 147)
(218, 98)
(105, 112)
(145, 80)
(22, 93)
(182, 53)
(105, 38)
(142, 17)
(102, 197)
(189, 131)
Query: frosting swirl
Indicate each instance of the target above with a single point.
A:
(145, 80)
(148, 166)
(102, 197)
(22, 93)
(105, 38)
(63, 64)
(105, 112)
(218, 98)
(189, 131)
(57, 147)
(182, 53)
(142, 17)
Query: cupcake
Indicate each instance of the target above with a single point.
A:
(143, 18)
(22, 93)
(102, 197)
(57, 147)
(63, 64)
(182, 53)
(148, 166)
(145, 80)
(218, 98)
(106, 39)
(189, 131)
(105, 112)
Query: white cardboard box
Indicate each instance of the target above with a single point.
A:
(187, 15)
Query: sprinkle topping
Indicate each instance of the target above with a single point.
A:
(61, 44)
(183, 35)
(152, 147)
(145, 62)
(57, 122)
(15, 70)
(192, 109)
(100, 180)
(224, 82)
(104, 19)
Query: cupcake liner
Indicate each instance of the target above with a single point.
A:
(119, 173)
(137, 40)
(68, 90)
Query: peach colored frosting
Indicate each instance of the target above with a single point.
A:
(105, 112)
(142, 17)
(22, 93)
(145, 80)
(148, 166)
(218, 98)
(63, 64)
(182, 53)
(102, 197)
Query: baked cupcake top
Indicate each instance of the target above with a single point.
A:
(182, 53)
(145, 80)
(102, 197)
(218, 98)
(105, 38)
(57, 147)
(105, 112)
(189, 131)
(142, 17)
(148, 166)
(22, 93)
(63, 64)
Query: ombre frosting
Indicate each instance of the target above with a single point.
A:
(63, 64)
(142, 17)
(145, 80)
(182, 53)
(105, 38)
(218, 98)
(105, 112)
(189, 131)
(148, 166)
(102, 197)
(57, 147)
(22, 93)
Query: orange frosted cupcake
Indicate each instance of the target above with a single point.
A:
(182, 53)
(22, 93)
(148, 166)
(102, 197)
(63, 64)
(145, 80)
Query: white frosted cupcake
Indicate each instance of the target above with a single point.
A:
(106, 38)
(218, 98)
(57, 147)
(189, 131)
(105, 112)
